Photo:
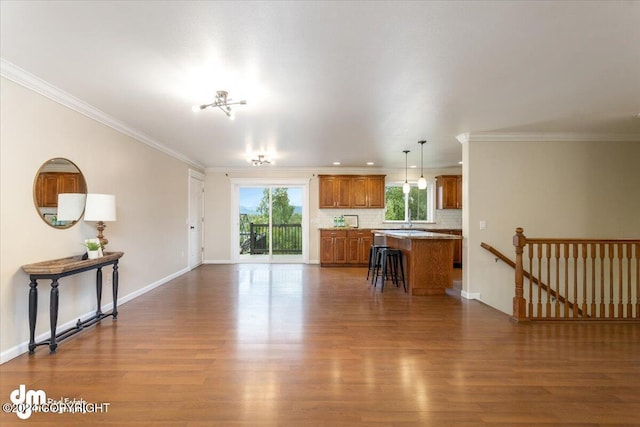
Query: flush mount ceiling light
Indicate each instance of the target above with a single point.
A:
(222, 102)
(422, 183)
(405, 187)
(260, 161)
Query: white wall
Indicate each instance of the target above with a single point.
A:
(152, 198)
(587, 189)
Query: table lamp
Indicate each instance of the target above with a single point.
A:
(100, 208)
(70, 206)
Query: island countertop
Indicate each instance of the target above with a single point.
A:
(415, 234)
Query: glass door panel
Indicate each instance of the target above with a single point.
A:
(270, 223)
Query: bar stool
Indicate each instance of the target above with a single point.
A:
(390, 260)
(374, 259)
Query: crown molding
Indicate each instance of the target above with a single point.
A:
(545, 137)
(36, 84)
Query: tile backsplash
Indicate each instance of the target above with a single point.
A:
(374, 218)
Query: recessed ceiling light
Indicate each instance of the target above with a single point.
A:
(460, 162)
(370, 163)
(336, 163)
(413, 167)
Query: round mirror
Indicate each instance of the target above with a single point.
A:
(59, 192)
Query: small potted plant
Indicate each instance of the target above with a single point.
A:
(93, 249)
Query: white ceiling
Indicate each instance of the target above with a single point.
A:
(336, 81)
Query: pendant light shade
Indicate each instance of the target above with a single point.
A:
(405, 187)
(422, 183)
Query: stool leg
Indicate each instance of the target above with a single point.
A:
(404, 285)
(371, 255)
(376, 267)
(384, 270)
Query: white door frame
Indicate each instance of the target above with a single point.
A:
(195, 175)
(236, 183)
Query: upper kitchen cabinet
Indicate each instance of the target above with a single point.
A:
(449, 192)
(335, 191)
(351, 191)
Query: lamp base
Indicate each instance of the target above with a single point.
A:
(103, 240)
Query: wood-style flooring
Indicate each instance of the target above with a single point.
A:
(295, 345)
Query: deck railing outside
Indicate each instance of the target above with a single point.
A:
(287, 239)
(576, 279)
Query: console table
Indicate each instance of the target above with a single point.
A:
(56, 269)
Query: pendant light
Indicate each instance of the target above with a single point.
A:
(405, 187)
(422, 183)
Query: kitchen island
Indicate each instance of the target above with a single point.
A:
(428, 259)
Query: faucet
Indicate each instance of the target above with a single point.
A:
(408, 224)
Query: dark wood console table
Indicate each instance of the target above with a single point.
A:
(54, 270)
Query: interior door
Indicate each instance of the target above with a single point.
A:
(196, 219)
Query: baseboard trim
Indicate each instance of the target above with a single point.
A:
(23, 347)
(470, 295)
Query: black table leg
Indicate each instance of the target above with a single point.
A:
(33, 312)
(99, 291)
(53, 315)
(115, 290)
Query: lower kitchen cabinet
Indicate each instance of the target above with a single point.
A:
(345, 247)
(333, 247)
(358, 244)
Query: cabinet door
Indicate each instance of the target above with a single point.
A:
(340, 249)
(49, 190)
(375, 192)
(446, 188)
(359, 191)
(326, 250)
(68, 183)
(459, 191)
(342, 192)
(365, 246)
(353, 250)
(326, 186)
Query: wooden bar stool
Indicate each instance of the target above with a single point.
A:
(392, 267)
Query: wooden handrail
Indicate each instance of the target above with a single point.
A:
(502, 257)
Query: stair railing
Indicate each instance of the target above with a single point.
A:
(584, 279)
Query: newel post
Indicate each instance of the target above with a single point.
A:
(519, 303)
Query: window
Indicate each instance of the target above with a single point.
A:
(418, 205)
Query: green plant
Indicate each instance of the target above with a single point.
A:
(92, 246)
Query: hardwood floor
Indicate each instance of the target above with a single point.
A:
(293, 345)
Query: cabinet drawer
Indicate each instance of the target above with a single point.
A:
(364, 232)
(333, 233)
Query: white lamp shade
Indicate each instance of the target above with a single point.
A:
(70, 206)
(406, 188)
(100, 207)
(422, 183)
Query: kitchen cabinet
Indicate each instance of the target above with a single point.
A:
(449, 192)
(50, 184)
(351, 191)
(333, 247)
(335, 191)
(358, 244)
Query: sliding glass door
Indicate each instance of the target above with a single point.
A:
(270, 223)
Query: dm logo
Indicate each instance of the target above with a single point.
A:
(25, 400)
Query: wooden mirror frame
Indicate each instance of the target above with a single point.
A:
(55, 176)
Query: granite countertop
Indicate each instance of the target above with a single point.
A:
(416, 234)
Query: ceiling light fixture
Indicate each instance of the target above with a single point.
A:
(405, 187)
(260, 161)
(422, 183)
(222, 102)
